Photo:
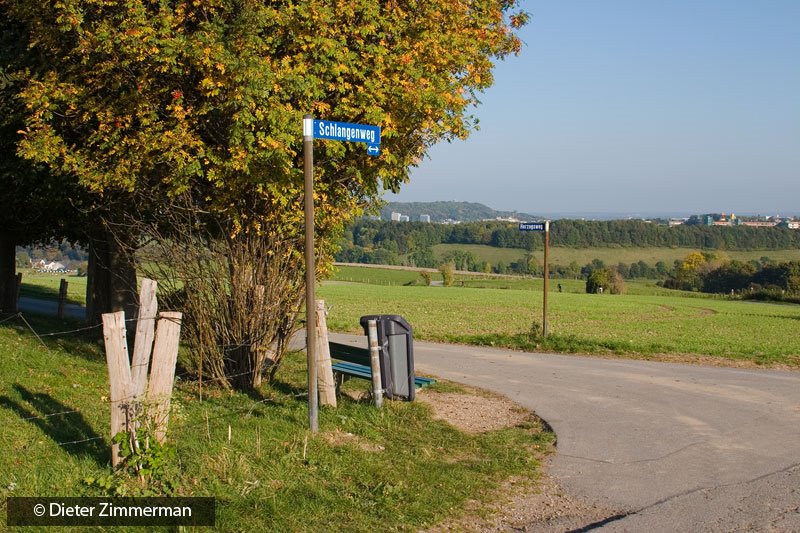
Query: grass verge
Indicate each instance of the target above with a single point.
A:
(396, 468)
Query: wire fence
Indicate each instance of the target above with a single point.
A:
(126, 401)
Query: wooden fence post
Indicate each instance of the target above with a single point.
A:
(62, 297)
(145, 333)
(17, 288)
(162, 376)
(325, 382)
(119, 375)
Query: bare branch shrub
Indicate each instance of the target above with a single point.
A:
(240, 294)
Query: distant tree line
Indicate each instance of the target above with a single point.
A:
(765, 279)
(408, 237)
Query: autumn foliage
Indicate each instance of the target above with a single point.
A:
(199, 104)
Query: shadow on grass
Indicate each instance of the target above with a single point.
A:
(71, 336)
(288, 389)
(39, 292)
(60, 422)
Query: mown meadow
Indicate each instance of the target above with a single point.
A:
(646, 322)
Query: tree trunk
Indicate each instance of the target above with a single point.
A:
(8, 273)
(111, 283)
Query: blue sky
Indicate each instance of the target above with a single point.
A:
(635, 107)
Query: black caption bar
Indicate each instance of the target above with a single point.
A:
(111, 511)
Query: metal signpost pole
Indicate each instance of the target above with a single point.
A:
(311, 307)
(545, 227)
(546, 276)
(336, 131)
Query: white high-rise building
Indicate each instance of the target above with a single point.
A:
(424, 218)
(396, 217)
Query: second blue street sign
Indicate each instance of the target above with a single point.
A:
(532, 226)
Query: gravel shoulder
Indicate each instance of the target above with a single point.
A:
(520, 504)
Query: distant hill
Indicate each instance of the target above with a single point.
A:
(441, 211)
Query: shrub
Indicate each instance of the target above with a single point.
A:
(447, 270)
(426, 277)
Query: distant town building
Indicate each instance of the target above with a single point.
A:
(503, 219)
(396, 216)
(404, 218)
(791, 224)
(424, 218)
(676, 222)
(759, 224)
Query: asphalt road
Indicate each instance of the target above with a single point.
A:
(50, 307)
(672, 447)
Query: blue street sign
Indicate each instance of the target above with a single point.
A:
(533, 226)
(344, 131)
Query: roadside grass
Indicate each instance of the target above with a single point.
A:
(45, 286)
(562, 255)
(393, 469)
(635, 324)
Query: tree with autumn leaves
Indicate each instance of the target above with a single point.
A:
(191, 112)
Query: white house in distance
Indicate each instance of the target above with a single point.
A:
(396, 216)
(53, 266)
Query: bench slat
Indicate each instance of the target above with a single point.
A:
(365, 372)
(352, 354)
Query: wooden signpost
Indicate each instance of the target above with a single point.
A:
(545, 227)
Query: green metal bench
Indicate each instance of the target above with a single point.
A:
(355, 363)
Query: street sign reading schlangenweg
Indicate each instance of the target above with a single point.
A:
(533, 226)
(344, 131)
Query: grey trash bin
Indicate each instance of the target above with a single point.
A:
(396, 343)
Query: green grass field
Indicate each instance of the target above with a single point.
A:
(380, 276)
(481, 252)
(636, 324)
(397, 276)
(367, 470)
(611, 256)
(45, 286)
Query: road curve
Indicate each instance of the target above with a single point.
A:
(673, 447)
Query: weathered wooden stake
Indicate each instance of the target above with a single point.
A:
(119, 375)
(162, 376)
(145, 333)
(327, 385)
(62, 297)
(18, 287)
(375, 363)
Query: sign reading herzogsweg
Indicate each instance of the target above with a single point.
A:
(344, 131)
(532, 226)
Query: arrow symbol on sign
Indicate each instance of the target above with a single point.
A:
(373, 149)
